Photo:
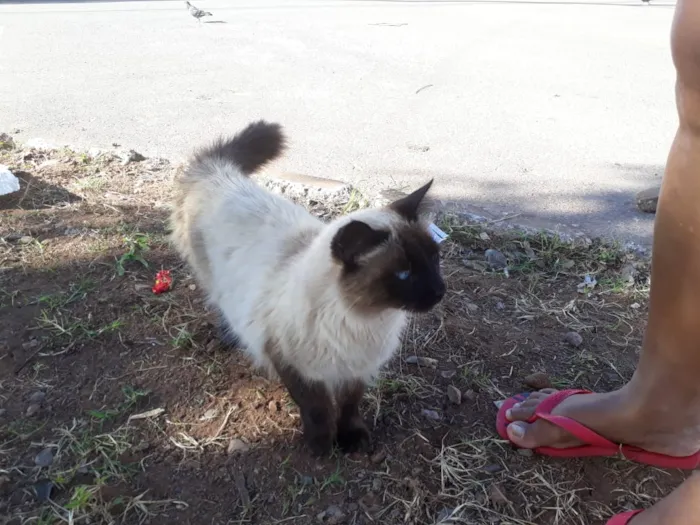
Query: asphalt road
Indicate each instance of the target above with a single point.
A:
(554, 111)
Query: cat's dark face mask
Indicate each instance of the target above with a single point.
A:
(398, 269)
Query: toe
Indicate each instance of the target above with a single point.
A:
(520, 412)
(532, 435)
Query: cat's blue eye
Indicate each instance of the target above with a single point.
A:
(403, 275)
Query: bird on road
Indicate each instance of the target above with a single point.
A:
(196, 12)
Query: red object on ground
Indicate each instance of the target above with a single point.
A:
(624, 518)
(163, 282)
(596, 445)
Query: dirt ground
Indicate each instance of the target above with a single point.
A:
(118, 405)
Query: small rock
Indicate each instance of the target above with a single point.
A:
(538, 381)
(30, 344)
(448, 374)
(142, 446)
(431, 414)
(496, 259)
(648, 199)
(237, 446)
(472, 308)
(574, 339)
(209, 414)
(306, 481)
(526, 452)
(500, 305)
(332, 515)
(32, 409)
(130, 156)
(192, 464)
(44, 458)
(629, 273)
(497, 496)
(43, 490)
(493, 469)
(588, 284)
(26, 239)
(454, 395)
(272, 406)
(4, 482)
(6, 142)
(478, 266)
(567, 264)
(418, 147)
(421, 361)
(378, 456)
(192, 287)
(376, 485)
(635, 306)
(37, 397)
(470, 395)
(484, 236)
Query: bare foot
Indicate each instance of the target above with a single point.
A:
(681, 507)
(620, 416)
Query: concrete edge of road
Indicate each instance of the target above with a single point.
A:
(308, 189)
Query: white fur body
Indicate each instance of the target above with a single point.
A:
(265, 263)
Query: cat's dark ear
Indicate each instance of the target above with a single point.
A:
(410, 206)
(355, 239)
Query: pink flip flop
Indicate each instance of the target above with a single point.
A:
(624, 518)
(596, 445)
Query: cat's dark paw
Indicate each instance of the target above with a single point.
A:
(354, 436)
(320, 443)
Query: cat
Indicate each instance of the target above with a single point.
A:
(321, 306)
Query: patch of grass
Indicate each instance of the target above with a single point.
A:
(73, 329)
(335, 479)
(76, 292)
(91, 183)
(356, 202)
(183, 339)
(131, 397)
(87, 459)
(137, 245)
(542, 252)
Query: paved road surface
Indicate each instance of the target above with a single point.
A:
(555, 110)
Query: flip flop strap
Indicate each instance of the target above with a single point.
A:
(624, 518)
(576, 429)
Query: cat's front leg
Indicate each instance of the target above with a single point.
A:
(353, 434)
(315, 405)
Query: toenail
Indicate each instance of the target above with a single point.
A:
(516, 405)
(517, 430)
(509, 414)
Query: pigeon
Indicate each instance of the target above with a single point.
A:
(197, 13)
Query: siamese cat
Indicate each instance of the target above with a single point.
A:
(320, 306)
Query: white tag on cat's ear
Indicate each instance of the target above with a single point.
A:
(437, 234)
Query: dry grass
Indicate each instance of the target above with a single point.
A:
(142, 402)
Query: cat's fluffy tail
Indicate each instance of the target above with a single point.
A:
(249, 150)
